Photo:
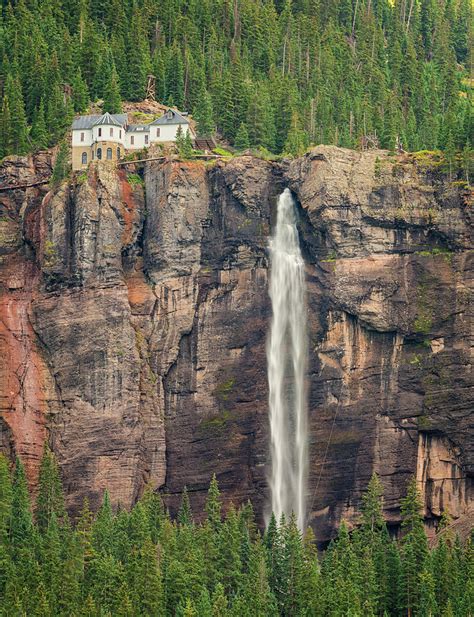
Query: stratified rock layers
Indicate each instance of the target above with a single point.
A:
(134, 321)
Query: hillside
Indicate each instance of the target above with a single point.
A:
(269, 73)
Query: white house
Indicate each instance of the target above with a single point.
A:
(109, 136)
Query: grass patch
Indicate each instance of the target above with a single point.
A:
(330, 258)
(428, 159)
(223, 390)
(218, 422)
(416, 360)
(423, 323)
(222, 152)
(424, 422)
(50, 254)
(135, 180)
(140, 117)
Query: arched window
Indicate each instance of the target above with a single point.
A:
(84, 158)
(109, 154)
(99, 153)
(118, 153)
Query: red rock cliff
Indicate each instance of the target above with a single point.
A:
(134, 319)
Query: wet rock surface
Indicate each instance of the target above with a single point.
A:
(134, 316)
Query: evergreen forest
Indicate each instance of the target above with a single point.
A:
(143, 563)
(276, 74)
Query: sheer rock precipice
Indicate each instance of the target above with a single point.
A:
(134, 317)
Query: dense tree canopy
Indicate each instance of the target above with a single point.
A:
(284, 73)
(143, 563)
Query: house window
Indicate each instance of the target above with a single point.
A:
(118, 153)
(158, 132)
(82, 136)
(100, 133)
(146, 139)
(132, 140)
(84, 158)
(111, 132)
(120, 133)
(109, 154)
(99, 153)
(92, 155)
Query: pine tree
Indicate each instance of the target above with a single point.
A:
(6, 500)
(242, 141)
(414, 547)
(80, 92)
(105, 577)
(187, 610)
(61, 165)
(102, 529)
(203, 604)
(296, 141)
(203, 114)
(146, 582)
(185, 516)
(260, 121)
(6, 132)
(219, 602)
(39, 133)
(155, 512)
(213, 505)
(427, 601)
(256, 596)
(50, 498)
(137, 55)
(16, 108)
(112, 100)
(21, 529)
(125, 606)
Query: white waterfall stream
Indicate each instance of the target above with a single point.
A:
(286, 360)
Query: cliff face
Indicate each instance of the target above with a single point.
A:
(134, 319)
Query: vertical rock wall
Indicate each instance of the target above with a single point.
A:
(134, 317)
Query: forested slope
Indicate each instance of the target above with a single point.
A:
(143, 563)
(271, 73)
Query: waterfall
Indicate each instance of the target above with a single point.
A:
(286, 360)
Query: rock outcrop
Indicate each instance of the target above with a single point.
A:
(134, 315)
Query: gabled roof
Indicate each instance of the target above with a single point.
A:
(87, 122)
(176, 118)
(107, 119)
(138, 128)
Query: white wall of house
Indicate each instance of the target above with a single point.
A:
(167, 132)
(139, 140)
(105, 132)
(86, 137)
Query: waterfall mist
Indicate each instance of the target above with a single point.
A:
(286, 361)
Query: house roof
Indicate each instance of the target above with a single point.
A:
(108, 120)
(176, 118)
(138, 128)
(87, 122)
